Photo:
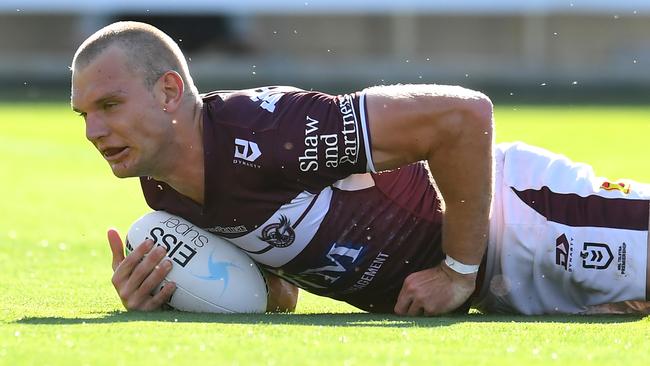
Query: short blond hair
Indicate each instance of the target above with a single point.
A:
(149, 52)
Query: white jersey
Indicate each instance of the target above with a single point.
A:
(562, 240)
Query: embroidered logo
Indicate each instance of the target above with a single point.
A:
(279, 234)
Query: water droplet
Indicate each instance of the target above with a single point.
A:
(420, 77)
(542, 84)
(368, 237)
(18, 10)
(25, 83)
(462, 201)
(634, 61)
(616, 17)
(275, 32)
(555, 34)
(571, 5)
(428, 59)
(634, 12)
(175, 320)
(295, 31)
(173, 121)
(180, 40)
(511, 93)
(254, 73)
(407, 61)
(466, 75)
(574, 83)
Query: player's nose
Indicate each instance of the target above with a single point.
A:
(96, 128)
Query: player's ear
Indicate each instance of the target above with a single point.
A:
(172, 87)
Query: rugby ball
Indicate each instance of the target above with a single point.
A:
(211, 274)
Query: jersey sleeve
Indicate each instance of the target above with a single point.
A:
(322, 138)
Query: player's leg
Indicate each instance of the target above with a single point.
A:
(564, 240)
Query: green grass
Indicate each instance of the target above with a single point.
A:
(57, 306)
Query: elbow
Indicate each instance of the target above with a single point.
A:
(481, 114)
(469, 120)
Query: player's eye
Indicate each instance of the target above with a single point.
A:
(108, 105)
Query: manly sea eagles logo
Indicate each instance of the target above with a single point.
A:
(279, 235)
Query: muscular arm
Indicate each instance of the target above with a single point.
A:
(451, 128)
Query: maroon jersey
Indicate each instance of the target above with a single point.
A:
(289, 179)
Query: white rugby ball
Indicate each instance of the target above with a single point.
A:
(211, 274)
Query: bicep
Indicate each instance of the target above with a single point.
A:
(409, 123)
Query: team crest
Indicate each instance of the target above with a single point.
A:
(279, 235)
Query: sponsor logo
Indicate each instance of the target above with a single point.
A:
(177, 250)
(350, 131)
(280, 234)
(339, 148)
(217, 271)
(562, 252)
(620, 186)
(247, 150)
(308, 161)
(622, 258)
(370, 273)
(338, 261)
(596, 256)
(228, 229)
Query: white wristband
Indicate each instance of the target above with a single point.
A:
(460, 267)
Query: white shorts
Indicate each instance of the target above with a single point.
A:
(562, 240)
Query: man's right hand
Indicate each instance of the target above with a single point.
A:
(137, 275)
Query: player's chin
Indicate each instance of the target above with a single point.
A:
(123, 169)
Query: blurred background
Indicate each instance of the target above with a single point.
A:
(532, 51)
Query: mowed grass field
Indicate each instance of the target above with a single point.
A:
(57, 306)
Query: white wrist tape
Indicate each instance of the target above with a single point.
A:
(461, 267)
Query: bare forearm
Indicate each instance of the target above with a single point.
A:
(462, 169)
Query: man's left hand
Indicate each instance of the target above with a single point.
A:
(434, 291)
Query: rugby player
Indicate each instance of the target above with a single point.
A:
(393, 198)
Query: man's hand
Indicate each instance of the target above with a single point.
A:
(434, 291)
(282, 297)
(136, 276)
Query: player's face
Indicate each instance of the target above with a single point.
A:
(124, 118)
